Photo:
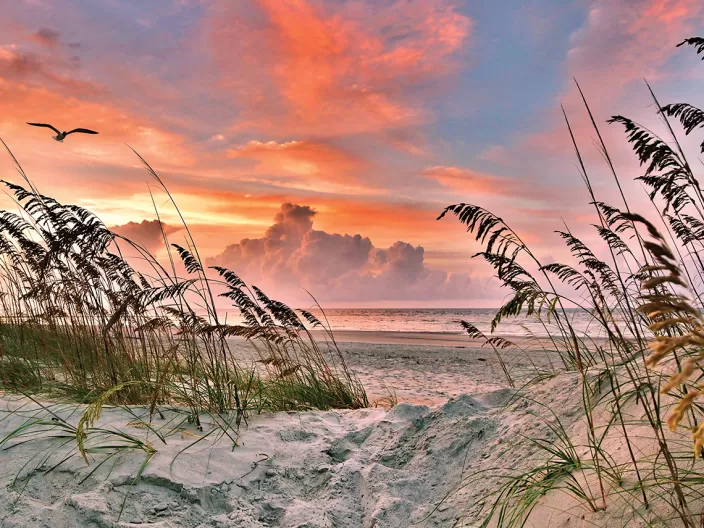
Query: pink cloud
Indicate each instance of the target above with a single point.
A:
(626, 41)
(338, 268)
(335, 68)
(621, 43)
(299, 158)
(147, 233)
(470, 183)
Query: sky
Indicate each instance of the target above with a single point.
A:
(311, 144)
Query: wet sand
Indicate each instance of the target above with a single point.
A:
(445, 339)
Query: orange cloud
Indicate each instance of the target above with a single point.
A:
(299, 158)
(42, 80)
(218, 214)
(21, 102)
(470, 183)
(339, 268)
(336, 69)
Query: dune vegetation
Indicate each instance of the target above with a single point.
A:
(636, 452)
(82, 329)
(81, 323)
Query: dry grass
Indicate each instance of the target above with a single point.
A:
(81, 323)
(645, 299)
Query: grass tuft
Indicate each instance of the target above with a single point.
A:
(641, 384)
(91, 317)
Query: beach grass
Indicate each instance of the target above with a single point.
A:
(640, 387)
(82, 321)
(81, 328)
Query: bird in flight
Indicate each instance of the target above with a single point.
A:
(61, 135)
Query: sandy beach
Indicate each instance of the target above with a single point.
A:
(351, 264)
(428, 368)
(371, 468)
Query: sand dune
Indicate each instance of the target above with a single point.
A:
(346, 469)
(414, 465)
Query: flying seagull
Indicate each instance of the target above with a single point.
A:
(61, 135)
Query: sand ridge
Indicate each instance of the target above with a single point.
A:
(365, 468)
(413, 465)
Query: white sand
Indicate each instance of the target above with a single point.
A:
(429, 369)
(369, 468)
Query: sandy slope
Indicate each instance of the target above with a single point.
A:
(369, 468)
(346, 469)
(430, 375)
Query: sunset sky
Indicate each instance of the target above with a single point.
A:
(313, 143)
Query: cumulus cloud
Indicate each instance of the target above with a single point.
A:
(338, 268)
(146, 233)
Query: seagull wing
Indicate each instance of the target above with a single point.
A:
(45, 125)
(82, 131)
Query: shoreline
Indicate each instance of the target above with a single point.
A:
(433, 339)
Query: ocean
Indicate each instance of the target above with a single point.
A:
(444, 320)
